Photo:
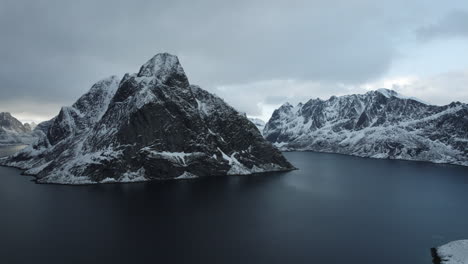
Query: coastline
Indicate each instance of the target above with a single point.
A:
(364, 157)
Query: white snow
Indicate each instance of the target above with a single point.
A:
(36, 170)
(108, 180)
(186, 175)
(455, 252)
(181, 158)
(203, 107)
(391, 93)
(280, 144)
(237, 168)
(134, 176)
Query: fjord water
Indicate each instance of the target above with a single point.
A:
(334, 209)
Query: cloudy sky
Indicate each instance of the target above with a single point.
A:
(255, 54)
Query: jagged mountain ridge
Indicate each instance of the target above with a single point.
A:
(13, 132)
(149, 125)
(378, 124)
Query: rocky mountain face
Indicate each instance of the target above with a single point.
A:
(378, 124)
(13, 132)
(148, 125)
(260, 124)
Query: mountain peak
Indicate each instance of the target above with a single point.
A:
(286, 105)
(161, 62)
(164, 67)
(391, 93)
(387, 92)
(5, 114)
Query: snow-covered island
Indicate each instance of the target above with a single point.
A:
(455, 252)
(148, 125)
(378, 124)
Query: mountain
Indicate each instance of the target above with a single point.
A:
(378, 124)
(260, 124)
(13, 132)
(30, 126)
(149, 125)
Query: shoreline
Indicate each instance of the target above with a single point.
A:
(357, 156)
(435, 256)
(36, 179)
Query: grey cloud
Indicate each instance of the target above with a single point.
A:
(51, 52)
(252, 98)
(272, 99)
(454, 24)
(440, 89)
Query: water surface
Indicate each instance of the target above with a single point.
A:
(334, 209)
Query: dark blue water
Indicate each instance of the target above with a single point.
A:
(334, 209)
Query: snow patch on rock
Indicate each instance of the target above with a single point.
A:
(186, 175)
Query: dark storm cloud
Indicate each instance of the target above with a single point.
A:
(53, 51)
(454, 24)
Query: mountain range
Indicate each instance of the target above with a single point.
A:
(13, 132)
(148, 125)
(377, 124)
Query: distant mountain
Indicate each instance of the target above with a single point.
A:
(378, 124)
(260, 124)
(30, 126)
(148, 125)
(13, 132)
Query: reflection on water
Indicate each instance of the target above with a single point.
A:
(334, 209)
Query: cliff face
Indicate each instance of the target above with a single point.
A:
(149, 125)
(378, 124)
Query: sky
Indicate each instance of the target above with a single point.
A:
(254, 54)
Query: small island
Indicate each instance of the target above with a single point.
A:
(148, 125)
(455, 252)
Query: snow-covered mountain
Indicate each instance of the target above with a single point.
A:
(148, 125)
(13, 132)
(30, 126)
(260, 124)
(378, 124)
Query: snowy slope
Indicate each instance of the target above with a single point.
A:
(149, 125)
(378, 124)
(455, 252)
